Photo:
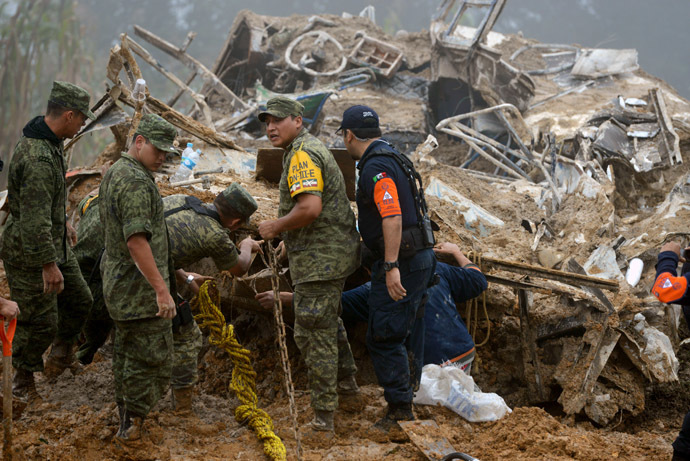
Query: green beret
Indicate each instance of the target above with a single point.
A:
(240, 200)
(281, 107)
(159, 132)
(72, 97)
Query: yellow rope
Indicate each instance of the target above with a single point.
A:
(472, 308)
(243, 381)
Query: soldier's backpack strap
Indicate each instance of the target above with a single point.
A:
(196, 205)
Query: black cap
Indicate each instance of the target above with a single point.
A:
(357, 117)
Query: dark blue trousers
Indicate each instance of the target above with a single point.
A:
(682, 443)
(395, 333)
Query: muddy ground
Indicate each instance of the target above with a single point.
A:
(77, 418)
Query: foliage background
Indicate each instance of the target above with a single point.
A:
(44, 40)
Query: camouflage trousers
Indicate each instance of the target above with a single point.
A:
(322, 340)
(98, 322)
(187, 341)
(142, 363)
(45, 316)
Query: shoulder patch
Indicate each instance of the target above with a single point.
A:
(303, 174)
(379, 176)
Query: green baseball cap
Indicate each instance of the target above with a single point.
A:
(72, 97)
(240, 200)
(281, 107)
(159, 132)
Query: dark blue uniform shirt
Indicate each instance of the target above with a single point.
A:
(383, 190)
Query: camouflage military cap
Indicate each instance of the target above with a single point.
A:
(159, 132)
(72, 97)
(240, 200)
(281, 107)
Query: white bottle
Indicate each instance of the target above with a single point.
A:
(189, 159)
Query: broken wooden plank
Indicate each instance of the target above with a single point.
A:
(130, 63)
(181, 121)
(209, 77)
(669, 137)
(569, 278)
(528, 340)
(600, 341)
(199, 100)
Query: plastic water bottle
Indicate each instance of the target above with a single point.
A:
(189, 160)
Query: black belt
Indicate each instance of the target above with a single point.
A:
(411, 241)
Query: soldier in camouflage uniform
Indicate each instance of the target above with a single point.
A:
(318, 229)
(194, 234)
(135, 275)
(41, 269)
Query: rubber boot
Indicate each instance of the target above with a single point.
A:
(85, 354)
(350, 398)
(131, 428)
(182, 400)
(388, 425)
(323, 421)
(348, 386)
(320, 430)
(60, 358)
(24, 386)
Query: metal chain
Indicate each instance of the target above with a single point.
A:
(282, 343)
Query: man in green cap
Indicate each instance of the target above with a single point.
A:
(41, 269)
(135, 275)
(317, 225)
(197, 230)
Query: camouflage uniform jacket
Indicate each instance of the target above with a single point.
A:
(195, 236)
(129, 203)
(89, 239)
(35, 232)
(328, 248)
(192, 237)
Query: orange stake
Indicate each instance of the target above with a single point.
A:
(6, 335)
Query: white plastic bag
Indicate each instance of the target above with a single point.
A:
(455, 390)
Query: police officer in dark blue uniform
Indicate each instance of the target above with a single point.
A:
(446, 339)
(394, 225)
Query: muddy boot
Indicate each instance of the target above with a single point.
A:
(182, 400)
(321, 429)
(60, 358)
(85, 354)
(131, 428)
(350, 399)
(348, 386)
(323, 421)
(388, 425)
(24, 386)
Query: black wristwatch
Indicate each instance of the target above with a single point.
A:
(388, 265)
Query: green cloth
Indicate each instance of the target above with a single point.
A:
(71, 96)
(159, 132)
(281, 107)
(44, 316)
(240, 200)
(130, 204)
(328, 248)
(142, 363)
(322, 340)
(35, 231)
(194, 236)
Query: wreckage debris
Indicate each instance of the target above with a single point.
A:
(535, 159)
